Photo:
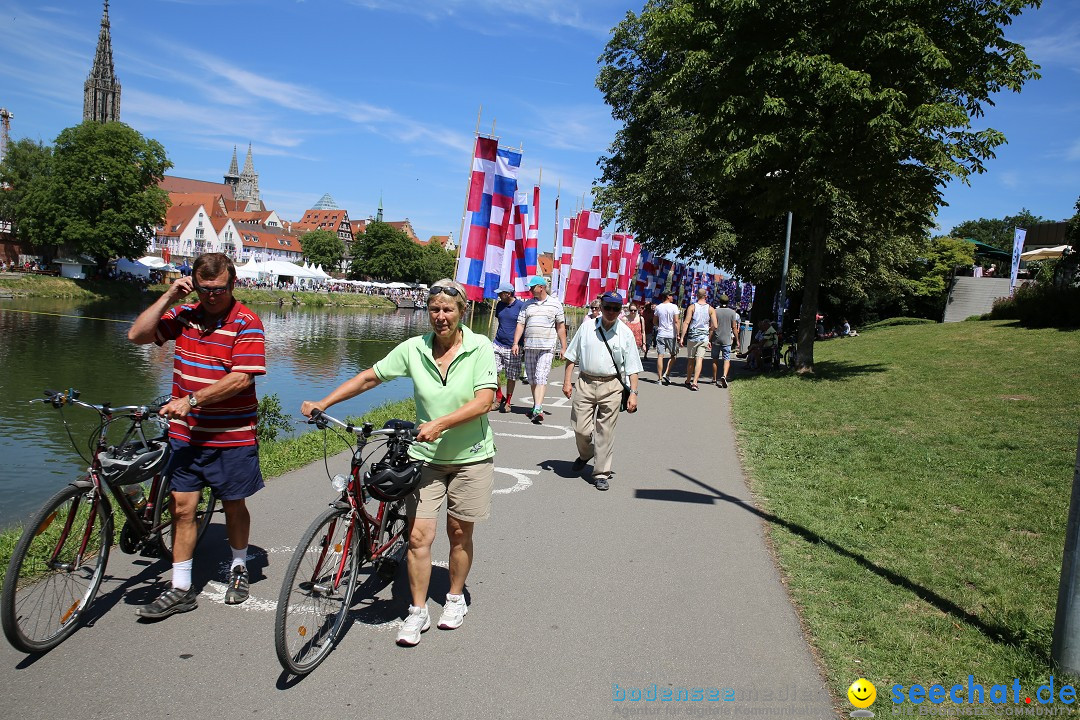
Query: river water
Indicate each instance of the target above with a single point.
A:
(57, 344)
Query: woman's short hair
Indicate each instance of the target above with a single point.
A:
(460, 298)
(210, 265)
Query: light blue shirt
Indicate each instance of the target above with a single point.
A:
(588, 352)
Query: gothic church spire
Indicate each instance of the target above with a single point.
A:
(101, 92)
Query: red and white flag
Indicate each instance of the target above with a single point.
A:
(585, 248)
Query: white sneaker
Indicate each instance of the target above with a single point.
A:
(453, 612)
(416, 623)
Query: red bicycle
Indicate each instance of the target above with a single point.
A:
(361, 536)
(59, 561)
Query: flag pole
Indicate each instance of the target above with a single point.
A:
(468, 186)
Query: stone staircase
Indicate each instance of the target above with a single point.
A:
(973, 296)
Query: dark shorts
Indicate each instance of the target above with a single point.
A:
(233, 472)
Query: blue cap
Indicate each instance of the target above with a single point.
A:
(611, 297)
(505, 287)
(537, 280)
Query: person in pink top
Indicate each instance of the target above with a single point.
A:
(636, 324)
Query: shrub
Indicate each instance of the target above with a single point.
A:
(271, 419)
(1040, 306)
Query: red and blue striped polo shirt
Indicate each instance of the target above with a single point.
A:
(204, 355)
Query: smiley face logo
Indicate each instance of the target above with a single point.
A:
(862, 693)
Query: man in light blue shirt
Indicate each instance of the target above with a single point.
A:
(607, 354)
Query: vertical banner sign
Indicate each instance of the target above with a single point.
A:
(1019, 235)
(587, 231)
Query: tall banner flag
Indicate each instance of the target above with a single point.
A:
(664, 271)
(585, 249)
(628, 266)
(563, 258)
(491, 193)
(532, 237)
(645, 289)
(598, 269)
(518, 262)
(1019, 236)
(611, 277)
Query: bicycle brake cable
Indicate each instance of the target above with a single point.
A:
(75, 445)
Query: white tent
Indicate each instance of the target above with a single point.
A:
(152, 261)
(138, 269)
(281, 268)
(1046, 253)
(250, 271)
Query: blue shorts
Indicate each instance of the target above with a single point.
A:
(232, 472)
(718, 349)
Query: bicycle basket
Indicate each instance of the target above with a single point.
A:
(133, 462)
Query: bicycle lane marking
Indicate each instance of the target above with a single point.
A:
(566, 432)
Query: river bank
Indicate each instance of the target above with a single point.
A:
(23, 285)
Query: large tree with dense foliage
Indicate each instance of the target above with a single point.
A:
(382, 251)
(851, 115)
(435, 263)
(95, 193)
(993, 231)
(322, 247)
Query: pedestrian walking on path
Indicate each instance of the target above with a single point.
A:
(454, 381)
(698, 327)
(506, 313)
(541, 322)
(667, 328)
(727, 331)
(607, 354)
(212, 417)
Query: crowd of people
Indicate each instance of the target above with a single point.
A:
(455, 376)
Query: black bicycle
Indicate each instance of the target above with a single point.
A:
(347, 544)
(59, 561)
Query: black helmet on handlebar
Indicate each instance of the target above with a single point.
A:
(396, 475)
(134, 462)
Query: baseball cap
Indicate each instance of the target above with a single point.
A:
(611, 297)
(505, 287)
(537, 280)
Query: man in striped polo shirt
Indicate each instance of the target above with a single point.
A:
(541, 322)
(212, 417)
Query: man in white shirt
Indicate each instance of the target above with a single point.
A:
(667, 321)
(541, 321)
(597, 394)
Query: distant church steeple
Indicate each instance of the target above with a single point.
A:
(233, 176)
(247, 185)
(378, 215)
(101, 93)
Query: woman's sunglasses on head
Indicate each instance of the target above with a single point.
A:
(449, 290)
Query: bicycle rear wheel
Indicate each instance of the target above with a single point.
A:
(56, 569)
(163, 515)
(318, 588)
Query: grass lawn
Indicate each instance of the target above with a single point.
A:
(916, 492)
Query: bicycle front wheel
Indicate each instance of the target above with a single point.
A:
(318, 588)
(56, 569)
(163, 519)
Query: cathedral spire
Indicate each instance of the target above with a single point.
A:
(249, 167)
(101, 92)
(234, 169)
(378, 216)
(247, 187)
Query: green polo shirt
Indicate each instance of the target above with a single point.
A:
(473, 369)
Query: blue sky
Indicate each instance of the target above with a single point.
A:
(364, 98)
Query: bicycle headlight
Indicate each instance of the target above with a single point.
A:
(339, 483)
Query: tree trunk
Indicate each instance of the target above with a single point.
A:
(815, 263)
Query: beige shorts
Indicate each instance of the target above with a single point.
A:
(697, 349)
(466, 488)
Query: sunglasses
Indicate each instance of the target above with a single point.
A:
(449, 290)
(612, 308)
(211, 291)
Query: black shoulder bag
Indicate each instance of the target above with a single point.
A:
(618, 373)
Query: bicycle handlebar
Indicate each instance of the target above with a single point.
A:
(321, 420)
(58, 399)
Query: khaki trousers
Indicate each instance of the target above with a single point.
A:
(594, 412)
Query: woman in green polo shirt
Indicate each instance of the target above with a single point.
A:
(454, 381)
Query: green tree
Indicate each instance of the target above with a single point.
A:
(998, 233)
(322, 247)
(26, 175)
(435, 263)
(97, 194)
(852, 116)
(387, 253)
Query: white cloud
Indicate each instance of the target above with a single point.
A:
(1073, 153)
(552, 12)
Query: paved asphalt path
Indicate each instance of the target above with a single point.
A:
(581, 601)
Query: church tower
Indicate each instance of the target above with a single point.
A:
(233, 176)
(101, 93)
(247, 187)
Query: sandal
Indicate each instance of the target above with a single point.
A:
(693, 387)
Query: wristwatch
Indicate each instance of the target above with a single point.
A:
(633, 392)
(192, 402)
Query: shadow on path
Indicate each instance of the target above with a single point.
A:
(995, 632)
